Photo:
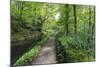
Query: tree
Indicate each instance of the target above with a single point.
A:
(75, 19)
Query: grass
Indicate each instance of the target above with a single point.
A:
(27, 57)
(31, 54)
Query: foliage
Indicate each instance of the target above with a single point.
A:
(75, 24)
(32, 53)
(27, 56)
(77, 49)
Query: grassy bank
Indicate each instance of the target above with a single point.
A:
(32, 53)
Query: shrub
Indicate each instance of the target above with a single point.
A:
(77, 49)
(31, 54)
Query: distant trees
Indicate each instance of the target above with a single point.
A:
(32, 16)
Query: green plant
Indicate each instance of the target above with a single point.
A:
(31, 54)
(76, 49)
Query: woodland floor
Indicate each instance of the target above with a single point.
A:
(47, 54)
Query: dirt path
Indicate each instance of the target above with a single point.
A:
(47, 54)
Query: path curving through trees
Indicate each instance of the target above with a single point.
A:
(47, 54)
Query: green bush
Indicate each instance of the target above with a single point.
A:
(77, 49)
(31, 54)
(27, 57)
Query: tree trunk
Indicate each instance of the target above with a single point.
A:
(75, 19)
(66, 20)
(89, 32)
(93, 26)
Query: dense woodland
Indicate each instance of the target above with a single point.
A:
(33, 23)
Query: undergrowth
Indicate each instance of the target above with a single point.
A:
(77, 49)
(31, 54)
